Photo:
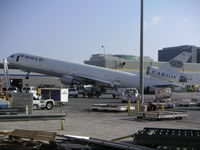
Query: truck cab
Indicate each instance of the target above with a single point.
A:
(29, 89)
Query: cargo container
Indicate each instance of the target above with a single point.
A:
(59, 95)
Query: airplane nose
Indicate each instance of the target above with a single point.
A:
(10, 58)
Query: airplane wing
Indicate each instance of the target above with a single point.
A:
(88, 79)
(116, 83)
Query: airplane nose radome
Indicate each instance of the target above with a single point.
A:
(8, 59)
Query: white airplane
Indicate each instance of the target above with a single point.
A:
(172, 70)
(72, 73)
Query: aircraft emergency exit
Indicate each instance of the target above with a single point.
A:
(172, 70)
(72, 73)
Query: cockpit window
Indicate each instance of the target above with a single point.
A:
(12, 56)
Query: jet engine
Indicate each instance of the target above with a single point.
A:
(69, 80)
(171, 76)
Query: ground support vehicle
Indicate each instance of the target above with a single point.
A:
(59, 95)
(11, 90)
(41, 104)
(118, 92)
(29, 89)
(91, 92)
(131, 94)
(73, 93)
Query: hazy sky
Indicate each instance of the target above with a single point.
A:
(73, 30)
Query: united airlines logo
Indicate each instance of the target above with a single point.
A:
(176, 63)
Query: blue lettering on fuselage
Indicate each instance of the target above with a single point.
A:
(32, 58)
(163, 74)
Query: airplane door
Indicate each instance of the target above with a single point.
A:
(17, 59)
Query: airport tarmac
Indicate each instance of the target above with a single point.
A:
(82, 121)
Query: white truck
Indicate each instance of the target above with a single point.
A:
(38, 102)
(41, 104)
(118, 92)
(73, 92)
(31, 89)
(131, 94)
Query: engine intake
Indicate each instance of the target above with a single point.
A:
(69, 80)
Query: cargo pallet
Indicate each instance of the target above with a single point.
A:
(167, 138)
(111, 107)
(42, 140)
(161, 115)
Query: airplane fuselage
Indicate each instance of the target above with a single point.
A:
(52, 67)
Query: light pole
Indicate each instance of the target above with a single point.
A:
(141, 55)
(104, 49)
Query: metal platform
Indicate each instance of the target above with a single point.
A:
(111, 107)
(168, 138)
(32, 117)
(161, 115)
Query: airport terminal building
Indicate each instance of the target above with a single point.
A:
(132, 63)
(119, 62)
(166, 54)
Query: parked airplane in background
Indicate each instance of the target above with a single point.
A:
(172, 70)
(72, 73)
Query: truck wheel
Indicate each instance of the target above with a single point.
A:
(35, 107)
(49, 105)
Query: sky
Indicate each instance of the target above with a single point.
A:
(73, 30)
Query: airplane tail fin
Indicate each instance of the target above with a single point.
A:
(176, 64)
